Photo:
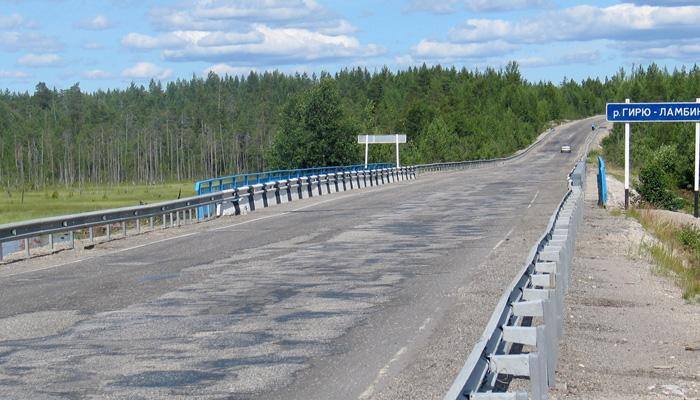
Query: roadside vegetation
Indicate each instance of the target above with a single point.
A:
(19, 205)
(662, 153)
(676, 253)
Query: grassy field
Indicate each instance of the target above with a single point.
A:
(678, 252)
(15, 206)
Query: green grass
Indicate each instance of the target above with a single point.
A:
(60, 200)
(593, 156)
(678, 252)
(615, 212)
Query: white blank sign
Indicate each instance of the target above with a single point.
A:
(377, 139)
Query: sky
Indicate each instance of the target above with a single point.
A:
(105, 44)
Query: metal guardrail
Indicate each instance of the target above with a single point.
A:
(511, 346)
(536, 294)
(184, 211)
(234, 181)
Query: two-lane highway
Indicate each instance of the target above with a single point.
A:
(376, 293)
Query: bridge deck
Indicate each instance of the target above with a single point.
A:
(377, 293)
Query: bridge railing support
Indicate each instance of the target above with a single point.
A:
(88, 229)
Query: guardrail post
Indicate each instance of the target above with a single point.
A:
(278, 195)
(91, 232)
(124, 228)
(51, 241)
(72, 239)
(138, 226)
(289, 190)
(265, 191)
(300, 191)
(1, 252)
(251, 198)
(310, 186)
(335, 183)
(343, 176)
(26, 247)
(109, 232)
(319, 184)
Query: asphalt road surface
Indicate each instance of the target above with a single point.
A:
(375, 293)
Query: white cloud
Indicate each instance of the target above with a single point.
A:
(33, 41)
(146, 70)
(580, 57)
(429, 49)
(665, 2)
(11, 21)
(227, 14)
(404, 59)
(92, 46)
(96, 74)
(4, 74)
(685, 51)
(181, 39)
(140, 41)
(97, 23)
(278, 45)
(214, 39)
(452, 6)
(534, 62)
(225, 69)
(584, 22)
(39, 60)
(251, 32)
(576, 57)
(339, 27)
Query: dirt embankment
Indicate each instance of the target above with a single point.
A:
(628, 332)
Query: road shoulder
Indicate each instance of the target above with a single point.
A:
(628, 332)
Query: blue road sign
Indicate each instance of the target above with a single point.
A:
(653, 112)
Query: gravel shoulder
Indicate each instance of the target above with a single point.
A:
(628, 332)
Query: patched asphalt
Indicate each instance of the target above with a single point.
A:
(377, 293)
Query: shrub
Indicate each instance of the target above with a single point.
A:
(656, 183)
(689, 236)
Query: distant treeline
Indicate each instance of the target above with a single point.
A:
(204, 127)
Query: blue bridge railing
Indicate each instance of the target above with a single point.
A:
(602, 183)
(234, 181)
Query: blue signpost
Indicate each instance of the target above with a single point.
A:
(656, 112)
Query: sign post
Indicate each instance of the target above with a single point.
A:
(397, 152)
(366, 150)
(656, 112)
(697, 163)
(627, 162)
(379, 139)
